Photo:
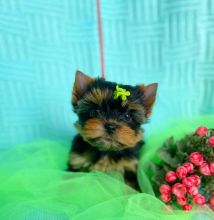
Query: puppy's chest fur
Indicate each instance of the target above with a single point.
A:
(84, 157)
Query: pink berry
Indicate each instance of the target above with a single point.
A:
(193, 190)
(211, 141)
(164, 188)
(179, 190)
(201, 131)
(196, 179)
(171, 177)
(181, 172)
(196, 158)
(205, 169)
(212, 167)
(189, 166)
(187, 207)
(165, 197)
(199, 200)
(211, 200)
(188, 181)
(182, 201)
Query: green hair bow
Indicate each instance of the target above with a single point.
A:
(120, 92)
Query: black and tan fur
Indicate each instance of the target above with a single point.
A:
(110, 134)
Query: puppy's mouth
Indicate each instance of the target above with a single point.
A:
(106, 144)
(96, 134)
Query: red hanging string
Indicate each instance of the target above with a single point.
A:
(99, 20)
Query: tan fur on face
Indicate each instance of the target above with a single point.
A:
(127, 136)
(122, 138)
(93, 128)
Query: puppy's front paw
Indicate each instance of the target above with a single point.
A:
(79, 162)
(103, 165)
(106, 164)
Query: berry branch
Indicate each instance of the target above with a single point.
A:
(185, 176)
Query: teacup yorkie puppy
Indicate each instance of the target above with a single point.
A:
(109, 125)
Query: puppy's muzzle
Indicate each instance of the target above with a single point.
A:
(110, 128)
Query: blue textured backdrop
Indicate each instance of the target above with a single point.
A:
(43, 42)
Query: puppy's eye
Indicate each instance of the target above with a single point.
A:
(95, 113)
(127, 116)
(98, 111)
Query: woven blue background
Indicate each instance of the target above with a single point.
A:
(43, 42)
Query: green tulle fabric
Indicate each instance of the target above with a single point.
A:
(35, 185)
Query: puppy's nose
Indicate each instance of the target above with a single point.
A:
(110, 127)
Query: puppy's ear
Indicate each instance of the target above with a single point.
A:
(80, 85)
(149, 92)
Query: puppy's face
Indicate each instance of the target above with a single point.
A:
(108, 123)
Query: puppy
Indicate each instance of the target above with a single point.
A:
(109, 125)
